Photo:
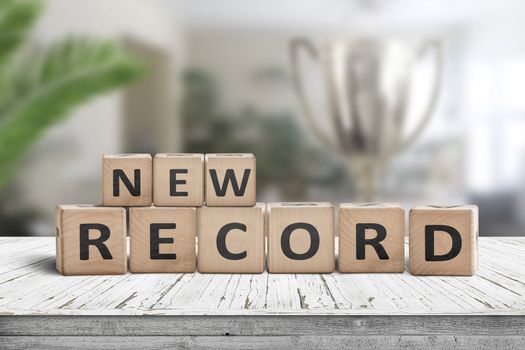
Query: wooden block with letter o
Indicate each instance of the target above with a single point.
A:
(231, 240)
(371, 237)
(178, 180)
(443, 240)
(301, 238)
(126, 180)
(90, 240)
(162, 239)
(230, 180)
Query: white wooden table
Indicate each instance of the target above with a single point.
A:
(40, 308)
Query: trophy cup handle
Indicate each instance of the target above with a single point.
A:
(296, 45)
(434, 45)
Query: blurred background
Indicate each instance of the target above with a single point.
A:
(79, 78)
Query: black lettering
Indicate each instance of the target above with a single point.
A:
(229, 177)
(174, 182)
(314, 241)
(155, 241)
(85, 242)
(361, 241)
(134, 189)
(221, 241)
(429, 242)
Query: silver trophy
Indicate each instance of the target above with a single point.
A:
(368, 89)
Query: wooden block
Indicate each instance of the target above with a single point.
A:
(230, 180)
(371, 237)
(178, 180)
(90, 240)
(301, 238)
(126, 180)
(443, 240)
(162, 239)
(231, 240)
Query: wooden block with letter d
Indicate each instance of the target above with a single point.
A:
(90, 240)
(178, 180)
(230, 180)
(126, 180)
(443, 240)
(371, 237)
(162, 239)
(231, 240)
(301, 238)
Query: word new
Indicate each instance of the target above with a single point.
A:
(175, 198)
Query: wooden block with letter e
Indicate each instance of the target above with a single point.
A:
(371, 237)
(443, 240)
(231, 240)
(90, 240)
(126, 180)
(230, 180)
(301, 238)
(162, 239)
(178, 180)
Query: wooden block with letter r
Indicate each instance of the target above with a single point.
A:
(301, 238)
(126, 180)
(178, 180)
(231, 240)
(371, 237)
(90, 240)
(230, 180)
(162, 239)
(443, 240)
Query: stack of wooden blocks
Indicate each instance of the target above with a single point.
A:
(175, 195)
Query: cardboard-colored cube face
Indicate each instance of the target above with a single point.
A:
(90, 240)
(230, 180)
(443, 240)
(126, 180)
(231, 240)
(301, 238)
(371, 237)
(162, 239)
(178, 180)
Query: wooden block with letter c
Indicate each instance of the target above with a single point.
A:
(231, 240)
(443, 240)
(162, 239)
(371, 237)
(90, 240)
(301, 238)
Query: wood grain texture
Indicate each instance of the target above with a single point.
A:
(318, 215)
(239, 163)
(249, 241)
(30, 285)
(464, 219)
(191, 182)
(68, 256)
(181, 236)
(128, 163)
(391, 217)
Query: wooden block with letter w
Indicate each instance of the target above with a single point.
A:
(230, 180)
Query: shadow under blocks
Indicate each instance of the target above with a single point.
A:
(173, 198)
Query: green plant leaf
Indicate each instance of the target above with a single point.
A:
(43, 93)
(16, 20)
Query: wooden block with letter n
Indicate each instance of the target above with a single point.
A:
(126, 180)
(230, 180)
(90, 240)
(443, 240)
(231, 240)
(301, 238)
(371, 237)
(178, 180)
(162, 239)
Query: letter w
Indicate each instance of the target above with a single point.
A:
(229, 177)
